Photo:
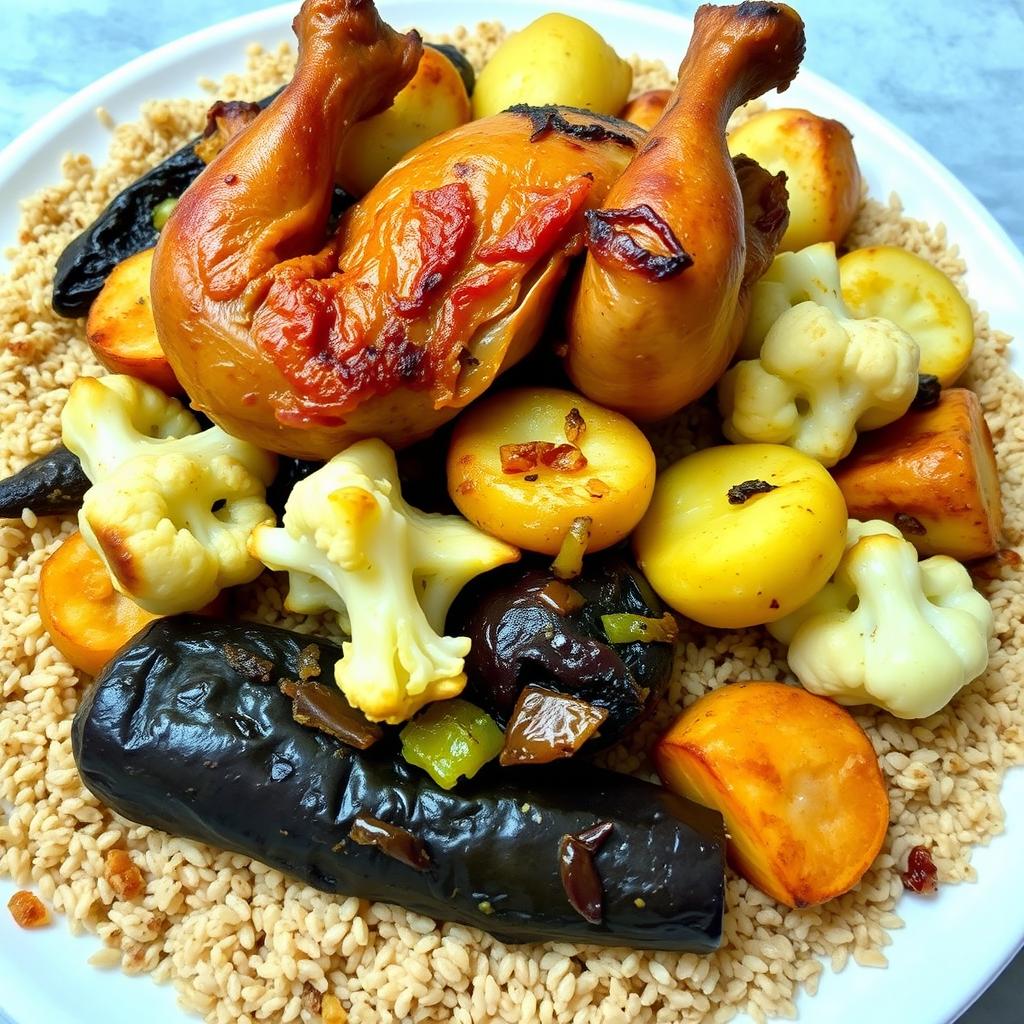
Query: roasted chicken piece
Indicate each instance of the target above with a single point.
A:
(662, 301)
(440, 277)
(445, 273)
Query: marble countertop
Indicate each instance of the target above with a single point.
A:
(951, 76)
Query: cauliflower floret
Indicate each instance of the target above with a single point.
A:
(889, 630)
(170, 509)
(820, 375)
(110, 419)
(351, 543)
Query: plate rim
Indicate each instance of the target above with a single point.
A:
(33, 140)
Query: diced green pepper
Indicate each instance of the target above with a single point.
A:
(451, 738)
(162, 211)
(622, 628)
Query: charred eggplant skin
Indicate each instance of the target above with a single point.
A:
(53, 485)
(171, 735)
(518, 639)
(124, 228)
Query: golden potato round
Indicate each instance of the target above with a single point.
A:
(523, 465)
(555, 59)
(121, 329)
(887, 281)
(433, 102)
(796, 780)
(741, 535)
(822, 174)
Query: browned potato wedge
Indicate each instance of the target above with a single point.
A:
(933, 475)
(822, 174)
(796, 780)
(647, 108)
(120, 327)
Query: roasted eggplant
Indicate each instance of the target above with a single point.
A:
(52, 485)
(178, 735)
(528, 628)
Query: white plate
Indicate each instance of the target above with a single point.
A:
(953, 946)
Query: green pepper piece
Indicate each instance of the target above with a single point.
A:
(162, 211)
(451, 738)
(623, 628)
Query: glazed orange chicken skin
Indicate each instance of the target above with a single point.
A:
(437, 279)
(661, 302)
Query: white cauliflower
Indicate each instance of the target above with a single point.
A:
(171, 508)
(820, 375)
(889, 630)
(351, 543)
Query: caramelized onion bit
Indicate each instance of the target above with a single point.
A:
(740, 493)
(921, 873)
(568, 563)
(249, 664)
(325, 708)
(547, 726)
(309, 662)
(518, 458)
(580, 879)
(561, 598)
(575, 425)
(624, 628)
(395, 842)
(122, 875)
(566, 458)
(28, 910)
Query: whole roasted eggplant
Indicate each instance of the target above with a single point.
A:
(183, 733)
(52, 485)
(521, 638)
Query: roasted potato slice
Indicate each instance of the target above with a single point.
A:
(822, 174)
(932, 474)
(121, 329)
(796, 780)
(646, 109)
(87, 619)
(887, 281)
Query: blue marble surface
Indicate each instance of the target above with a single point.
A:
(949, 74)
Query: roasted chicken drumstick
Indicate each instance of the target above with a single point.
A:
(661, 303)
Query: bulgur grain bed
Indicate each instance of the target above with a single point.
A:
(240, 941)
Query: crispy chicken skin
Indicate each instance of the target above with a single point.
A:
(440, 277)
(662, 301)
